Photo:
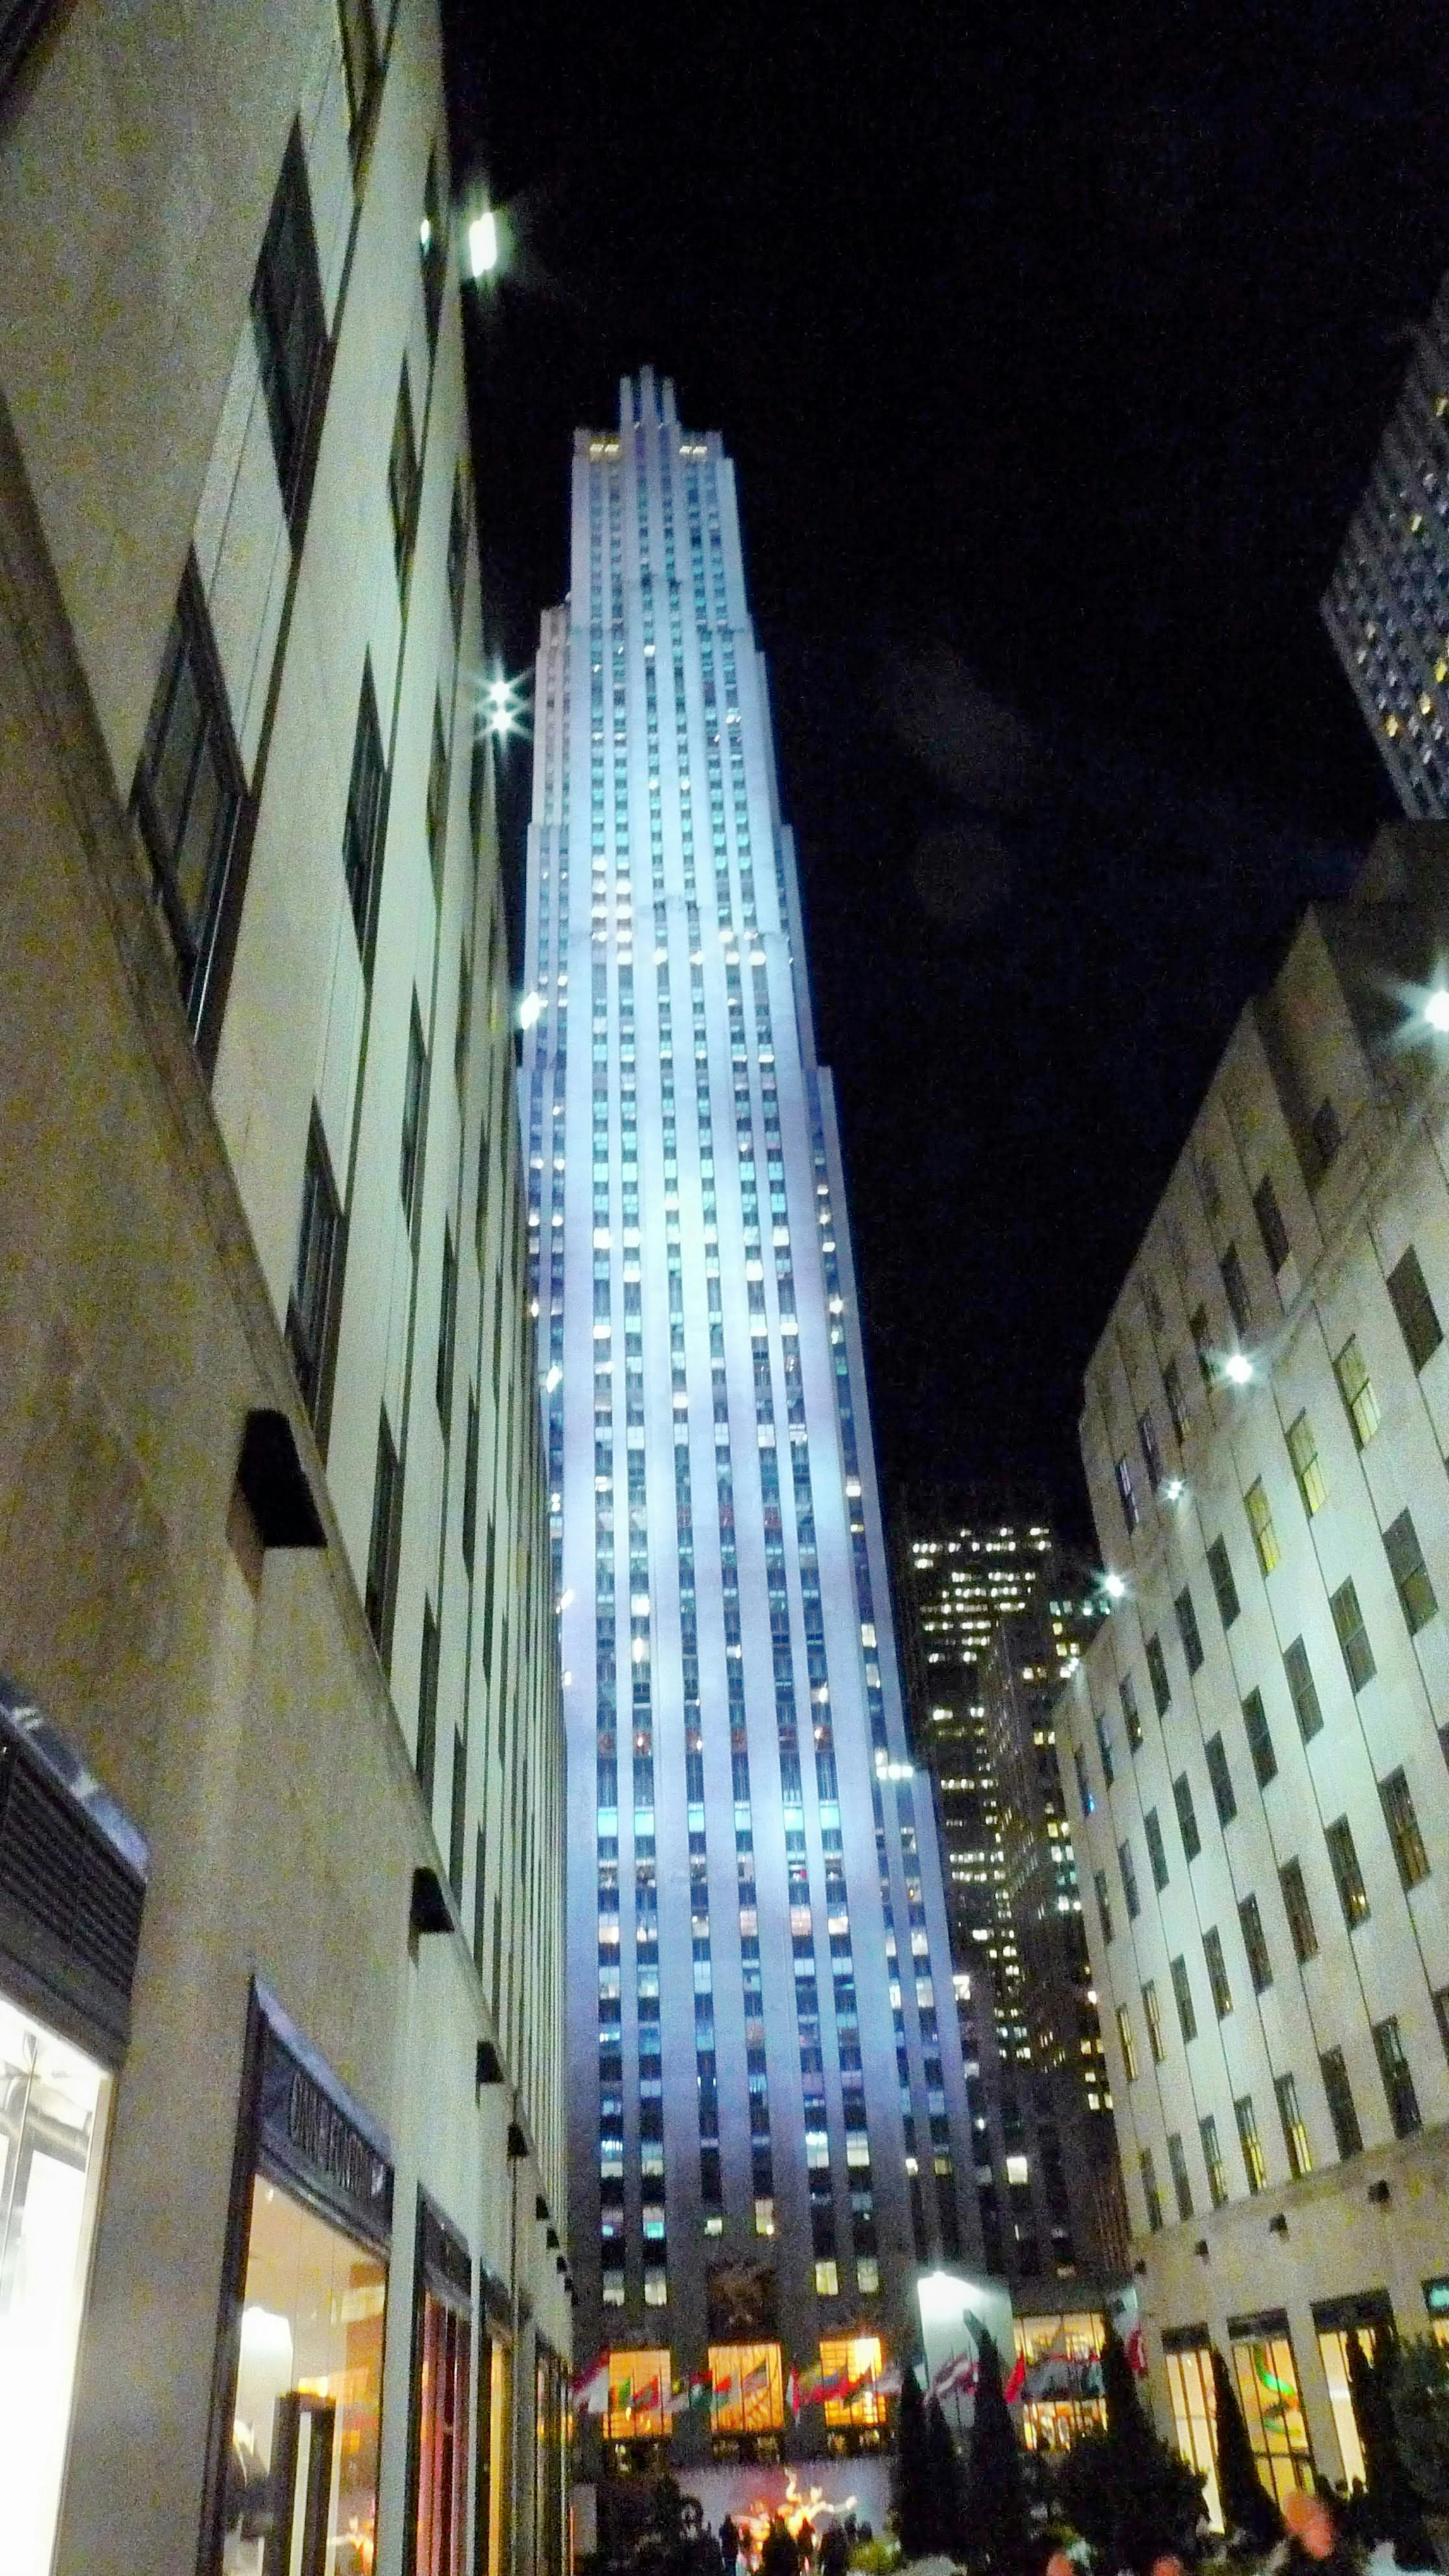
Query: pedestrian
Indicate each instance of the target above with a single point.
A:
(779, 2557)
(834, 2552)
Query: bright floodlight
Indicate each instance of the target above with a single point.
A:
(1238, 1367)
(528, 1010)
(1436, 1010)
(1114, 1585)
(1174, 1489)
(553, 1379)
(483, 244)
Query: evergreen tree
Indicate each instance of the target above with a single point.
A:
(1391, 2507)
(946, 2482)
(1124, 2488)
(911, 2499)
(1247, 2505)
(998, 2526)
(1420, 2400)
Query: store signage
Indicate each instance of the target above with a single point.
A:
(1436, 2295)
(307, 2131)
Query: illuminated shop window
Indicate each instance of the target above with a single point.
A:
(1194, 2417)
(747, 2389)
(851, 2367)
(1267, 2380)
(442, 2363)
(1060, 2355)
(639, 2385)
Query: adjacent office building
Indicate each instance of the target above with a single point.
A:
(1387, 606)
(1258, 1733)
(281, 1763)
(767, 2110)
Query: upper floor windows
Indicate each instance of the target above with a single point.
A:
(190, 797)
(458, 548)
(290, 330)
(1123, 1472)
(1270, 1224)
(410, 1155)
(312, 1305)
(1356, 1387)
(1412, 1303)
(1235, 1288)
(362, 831)
(359, 61)
(403, 479)
(432, 249)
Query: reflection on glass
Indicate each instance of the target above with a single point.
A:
(442, 2439)
(308, 2395)
(1268, 2392)
(1334, 2348)
(747, 2388)
(1194, 2416)
(53, 2105)
(494, 2390)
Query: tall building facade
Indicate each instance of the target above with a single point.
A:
(1258, 1735)
(281, 1759)
(1387, 606)
(767, 2108)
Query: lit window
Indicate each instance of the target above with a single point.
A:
(1411, 1575)
(1254, 2167)
(1352, 1636)
(1303, 1450)
(1260, 1522)
(1356, 1387)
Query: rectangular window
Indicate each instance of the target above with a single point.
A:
(1260, 1742)
(1357, 1390)
(1255, 1944)
(1342, 2110)
(1235, 1288)
(316, 1283)
(359, 61)
(1217, 1968)
(412, 1118)
(1304, 1691)
(1152, 2015)
(362, 830)
(1104, 1746)
(1327, 1134)
(1221, 1780)
(382, 1550)
(1267, 2380)
(1122, 1470)
(1127, 2043)
(1150, 2193)
(1182, 1996)
(1410, 1573)
(463, 1024)
(1176, 1400)
(1157, 1675)
(1084, 1786)
(1303, 1450)
(1403, 1824)
(1128, 1869)
(427, 1753)
(1156, 1848)
(1348, 1877)
(447, 1330)
(1254, 2168)
(1270, 1224)
(638, 2396)
(1260, 1522)
(1197, 1325)
(1104, 1903)
(1151, 1454)
(470, 1484)
(437, 799)
(1414, 1307)
(1181, 2187)
(290, 330)
(403, 479)
(189, 799)
(1224, 1588)
(458, 548)
(1186, 1820)
(1302, 1930)
(1295, 2135)
(432, 249)
(1126, 1692)
(1358, 1654)
(1187, 1629)
(1212, 2157)
(747, 2389)
(1399, 2091)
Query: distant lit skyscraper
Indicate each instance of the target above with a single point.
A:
(768, 2109)
(1387, 606)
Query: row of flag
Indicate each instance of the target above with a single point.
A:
(596, 2393)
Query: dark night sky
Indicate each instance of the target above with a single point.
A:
(1052, 357)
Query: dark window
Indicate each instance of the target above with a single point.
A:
(432, 249)
(1084, 1787)
(1151, 1454)
(1176, 1401)
(437, 798)
(290, 329)
(1150, 2192)
(1224, 1588)
(1302, 1930)
(412, 1121)
(1104, 1903)
(1441, 2015)
(1186, 1820)
(1187, 1629)
(1399, 2091)
(458, 548)
(1156, 1849)
(381, 1594)
(1126, 1692)
(1128, 1868)
(1295, 2135)
(1157, 1675)
(447, 1329)
(1255, 1944)
(1217, 1968)
(1403, 1825)
(1197, 1325)
(428, 1707)
(1348, 1877)
(1152, 2015)
(1254, 2168)
(1104, 1747)
(1235, 1288)
(1221, 1780)
(317, 1280)
(1212, 2156)
(1182, 1996)
(1270, 1223)
(359, 58)
(1260, 1742)
(1177, 2166)
(1338, 2093)
(190, 795)
(1327, 1134)
(1302, 1687)
(1415, 1309)
(477, 788)
(457, 1822)
(1410, 1573)
(402, 479)
(1358, 1654)
(362, 831)
(464, 1021)
(1130, 1514)
(470, 1484)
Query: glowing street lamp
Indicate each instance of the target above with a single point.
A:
(482, 241)
(1238, 1368)
(1115, 1587)
(1436, 1011)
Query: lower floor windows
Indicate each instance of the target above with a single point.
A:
(1267, 2378)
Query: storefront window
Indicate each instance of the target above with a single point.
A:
(638, 2396)
(53, 2107)
(308, 2397)
(1061, 2392)
(549, 2460)
(851, 2368)
(494, 2380)
(1333, 2346)
(443, 2439)
(747, 2388)
(1268, 2392)
(1194, 2415)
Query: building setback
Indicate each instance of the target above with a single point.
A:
(1257, 1734)
(767, 2111)
(281, 1758)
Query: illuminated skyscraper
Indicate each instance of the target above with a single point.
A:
(767, 2095)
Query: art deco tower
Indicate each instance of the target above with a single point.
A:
(768, 2117)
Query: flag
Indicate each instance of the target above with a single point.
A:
(757, 2379)
(888, 2384)
(646, 2399)
(1017, 2381)
(792, 2390)
(809, 2385)
(701, 2388)
(1137, 2351)
(956, 2377)
(591, 2388)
